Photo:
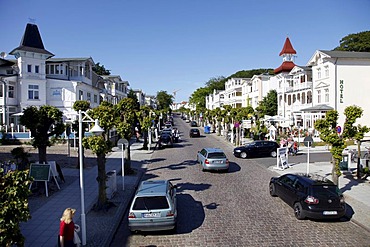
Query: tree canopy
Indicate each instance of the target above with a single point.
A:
(43, 122)
(268, 106)
(164, 100)
(355, 42)
(100, 70)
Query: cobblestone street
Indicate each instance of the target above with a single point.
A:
(232, 209)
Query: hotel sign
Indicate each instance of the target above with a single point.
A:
(341, 89)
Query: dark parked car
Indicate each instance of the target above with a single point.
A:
(165, 139)
(193, 124)
(257, 148)
(194, 132)
(309, 196)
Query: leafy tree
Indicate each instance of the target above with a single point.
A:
(251, 73)
(43, 122)
(164, 100)
(328, 133)
(350, 131)
(145, 117)
(101, 145)
(268, 105)
(125, 122)
(14, 208)
(100, 70)
(198, 97)
(216, 83)
(131, 94)
(355, 42)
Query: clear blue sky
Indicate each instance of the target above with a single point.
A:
(180, 44)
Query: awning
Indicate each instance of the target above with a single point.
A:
(17, 114)
(318, 108)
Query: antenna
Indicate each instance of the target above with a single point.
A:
(3, 55)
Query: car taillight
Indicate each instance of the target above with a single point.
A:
(131, 215)
(170, 213)
(311, 200)
(206, 161)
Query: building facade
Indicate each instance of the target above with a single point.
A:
(37, 78)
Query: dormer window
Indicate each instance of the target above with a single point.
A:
(37, 69)
(29, 68)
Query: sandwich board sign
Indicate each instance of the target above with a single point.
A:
(40, 172)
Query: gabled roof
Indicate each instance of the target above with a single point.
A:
(336, 54)
(31, 41)
(287, 48)
(286, 66)
(347, 54)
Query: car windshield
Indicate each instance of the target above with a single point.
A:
(217, 155)
(150, 203)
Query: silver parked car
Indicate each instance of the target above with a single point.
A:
(153, 207)
(212, 159)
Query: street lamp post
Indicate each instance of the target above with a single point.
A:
(4, 103)
(97, 130)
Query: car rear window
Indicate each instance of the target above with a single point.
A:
(325, 190)
(216, 155)
(149, 203)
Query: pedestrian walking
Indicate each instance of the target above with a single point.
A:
(67, 229)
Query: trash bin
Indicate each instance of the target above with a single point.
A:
(111, 184)
(207, 129)
(343, 165)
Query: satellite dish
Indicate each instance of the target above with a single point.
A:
(3, 55)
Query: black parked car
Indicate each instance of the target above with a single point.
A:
(193, 124)
(257, 148)
(165, 139)
(194, 132)
(309, 196)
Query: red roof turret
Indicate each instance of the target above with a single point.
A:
(288, 48)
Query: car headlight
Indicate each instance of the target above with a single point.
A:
(237, 150)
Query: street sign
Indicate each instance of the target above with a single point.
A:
(308, 141)
(339, 129)
(247, 124)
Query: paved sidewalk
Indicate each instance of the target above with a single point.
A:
(43, 228)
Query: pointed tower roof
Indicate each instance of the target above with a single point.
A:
(32, 42)
(288, 48)
(288, 55)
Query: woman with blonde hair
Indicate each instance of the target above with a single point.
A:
(67, 228)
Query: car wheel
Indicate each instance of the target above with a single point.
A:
(298, 212)
(273, 154)
(272, 190)
(243, 155)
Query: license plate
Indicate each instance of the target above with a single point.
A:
(217, 161)
(151, 215)
(330, 213)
